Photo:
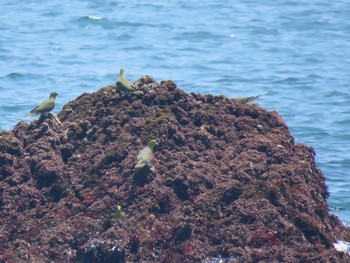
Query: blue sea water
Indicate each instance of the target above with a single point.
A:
(295, 53)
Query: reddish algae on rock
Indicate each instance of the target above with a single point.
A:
(227, 181)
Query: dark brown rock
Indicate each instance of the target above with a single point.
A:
(227, 181)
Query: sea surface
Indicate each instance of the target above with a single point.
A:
(296, 54)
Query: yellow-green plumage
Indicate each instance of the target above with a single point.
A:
(46, 106)
(123, 85)
(119, 214)
(145, 156)
(246, 99)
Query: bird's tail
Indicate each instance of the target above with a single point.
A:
(246, 99)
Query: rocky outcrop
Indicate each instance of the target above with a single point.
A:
(228, 181)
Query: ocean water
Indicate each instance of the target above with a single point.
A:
(296, 54)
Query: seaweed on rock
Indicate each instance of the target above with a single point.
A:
(227, 181)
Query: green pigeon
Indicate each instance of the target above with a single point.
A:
(46, 106)
(245, 100)
(119, 214)
(123, 85)
(146, 155)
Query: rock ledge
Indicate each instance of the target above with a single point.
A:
(228, 182)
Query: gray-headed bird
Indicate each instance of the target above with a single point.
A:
(145, 156)
(246, 99)
(46, 106)
(123, 85)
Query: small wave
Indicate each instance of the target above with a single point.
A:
(12, 108)
(295, 81)
(313, 76)
(290, 80)
(136, 48)
(14, 75)
(95, 17)
(132, 24)
(196, 36)
(20, 76)
(124, 36)
(89, 19)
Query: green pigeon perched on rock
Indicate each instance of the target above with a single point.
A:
(46, 106)
(245, 100)
(119, 213)
(123, 85)
(145, 156)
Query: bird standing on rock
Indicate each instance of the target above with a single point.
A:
(145, 156)
(46, 106)
(119, 213)
(123, 85)
(245, 100)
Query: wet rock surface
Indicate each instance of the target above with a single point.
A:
(227, 181)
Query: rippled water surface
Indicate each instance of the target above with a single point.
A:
(295, 53)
